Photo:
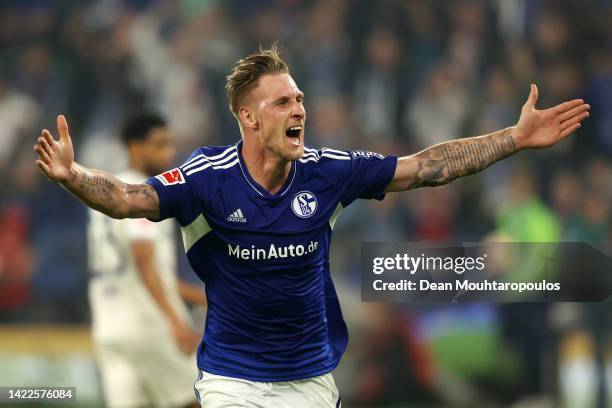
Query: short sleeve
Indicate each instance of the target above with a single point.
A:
(176, 198)
(366, 176)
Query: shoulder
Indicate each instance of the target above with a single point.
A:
(324, 156)
(335, 164)
(327, 154)
(328, 158)
(205, 160)
(327, 164)
(203, 163)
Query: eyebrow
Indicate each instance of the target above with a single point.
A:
(286, 98)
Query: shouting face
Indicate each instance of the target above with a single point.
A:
(274, 111)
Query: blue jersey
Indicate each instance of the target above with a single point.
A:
(273, 313)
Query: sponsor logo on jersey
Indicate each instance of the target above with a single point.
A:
(253, 253)
(304, 204)
(365, 154)
(237, 216)
(171, 177)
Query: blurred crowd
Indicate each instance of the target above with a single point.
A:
(392, 76)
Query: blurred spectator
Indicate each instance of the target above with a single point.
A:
(434, 215)
(34, 75)
(394, 365)
(330, 123)
(442, 96)
(592, 223)
(324, 50)
(565, 194)
(16, 262)
(497, 106)
(599, 93)
(377, 91)
(524, 217)
(20, 116)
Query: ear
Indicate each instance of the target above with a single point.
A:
(248, 118)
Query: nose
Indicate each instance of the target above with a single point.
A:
(298, 111)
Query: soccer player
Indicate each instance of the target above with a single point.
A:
(142, 331)
(257, 219)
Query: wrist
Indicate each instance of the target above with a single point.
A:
(518, 138)
(71, 176)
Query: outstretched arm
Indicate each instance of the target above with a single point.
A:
(445, 162)
(97, 189)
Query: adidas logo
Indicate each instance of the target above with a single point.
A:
(236, 216)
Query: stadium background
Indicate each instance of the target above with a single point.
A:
(390, 76)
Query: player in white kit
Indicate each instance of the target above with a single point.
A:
(142, 331)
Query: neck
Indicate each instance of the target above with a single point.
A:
(266, 168)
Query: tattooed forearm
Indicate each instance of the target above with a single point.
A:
(472, 155)
(96, 186)
(106, 193)
(144, 191)
(445, 162)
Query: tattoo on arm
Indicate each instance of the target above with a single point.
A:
(443, 163)
(98, 187)
(106, 193)
(144, 191)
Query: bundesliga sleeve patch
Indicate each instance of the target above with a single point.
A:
(171, 177)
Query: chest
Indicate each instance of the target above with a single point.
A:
(305, 206)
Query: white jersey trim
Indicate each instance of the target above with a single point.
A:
(340, 152)
(247, 179)
(215, 165)
(334, 156)
(191, 162)
(307, 159)
(207, 160)
(291, 182)
(228, 165)
(293, 168)
(313, 155)
(334, 217)
(308, 151)
(193, 232)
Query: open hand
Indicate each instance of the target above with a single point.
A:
(55, 157)
(537, 129)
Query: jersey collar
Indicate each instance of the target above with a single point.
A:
(259, 189)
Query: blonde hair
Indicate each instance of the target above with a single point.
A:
(247, 71)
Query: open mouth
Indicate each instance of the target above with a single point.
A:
(294, 131)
